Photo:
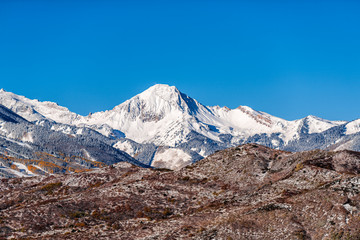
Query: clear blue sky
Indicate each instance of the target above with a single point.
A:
(287, 58)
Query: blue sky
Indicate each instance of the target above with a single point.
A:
(287, 58)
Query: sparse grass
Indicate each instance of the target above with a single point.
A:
(76, 214)
(300, 234)
(298, 167)
(50, 187)
(96, 184)
(152, 213)
(186, 178)
(80, 224)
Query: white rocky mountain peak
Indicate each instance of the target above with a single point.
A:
(160, 99)
(160, 115)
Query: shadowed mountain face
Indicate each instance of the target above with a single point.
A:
(28, 149)
(7, 115)
(244, 192)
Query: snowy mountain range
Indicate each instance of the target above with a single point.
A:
(163, 127)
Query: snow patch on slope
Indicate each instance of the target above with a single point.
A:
(171, 158)
(88, 155)
(16, 142)
(353, 127)
(24, 169)
(125, 147)
(27, 137)
(345, 146)
(14, 172)
(317, 125)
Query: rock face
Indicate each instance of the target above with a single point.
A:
(244, 192)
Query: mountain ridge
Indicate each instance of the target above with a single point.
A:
(164, 116)
(46, 148)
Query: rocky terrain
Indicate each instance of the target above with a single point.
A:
(244, 192)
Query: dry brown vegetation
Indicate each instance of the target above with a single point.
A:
(247, 192)
(46, 163)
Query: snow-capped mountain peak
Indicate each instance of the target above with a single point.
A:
(164, 116)
(160, 114)
(35, 110)
(315, 124)
(160, 99)
(164, 91)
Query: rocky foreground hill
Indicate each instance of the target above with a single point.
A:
(245, 192)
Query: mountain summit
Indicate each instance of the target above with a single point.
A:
(159, 115)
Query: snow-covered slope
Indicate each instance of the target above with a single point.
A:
(51, 147)
(159, 115)
(164, 116)
(353, 127)
(317, 125)
(172, 158)
(34, 110)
